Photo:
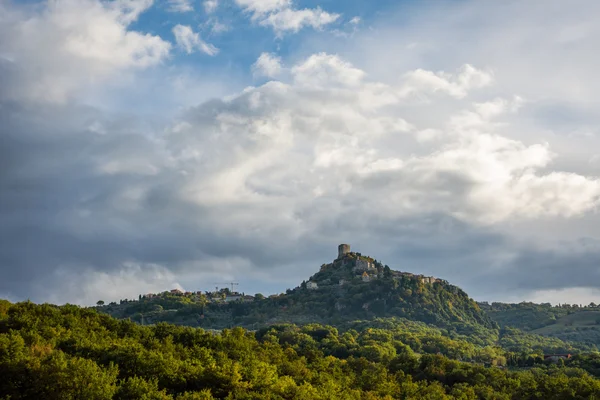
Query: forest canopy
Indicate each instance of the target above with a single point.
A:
(69, 352)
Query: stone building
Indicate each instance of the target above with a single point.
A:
(363, 265)
(428, 279)
(312, 285)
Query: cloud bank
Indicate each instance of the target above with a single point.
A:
(69, 43)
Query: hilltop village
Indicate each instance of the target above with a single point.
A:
(223, 295)
(362, 267)
(352, 287)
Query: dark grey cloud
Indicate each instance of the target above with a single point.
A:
(59, 212)
(549, 269)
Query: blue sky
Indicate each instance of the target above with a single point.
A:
(144, 149)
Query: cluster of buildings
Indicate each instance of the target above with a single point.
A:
(365, 267)
(218, 296)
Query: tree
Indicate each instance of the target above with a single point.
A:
(100, 303)
(387, 272)
(139, 388)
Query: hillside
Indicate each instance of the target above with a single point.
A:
(352, 287)
(573, 323)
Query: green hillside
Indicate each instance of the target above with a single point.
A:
(57, 353)
(572, 323)
(353, 287)
(582, 326)
(358, 288)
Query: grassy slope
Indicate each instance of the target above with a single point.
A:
(580, 325)
(576, 320)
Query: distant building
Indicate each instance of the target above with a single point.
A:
(176, 291)
(312, 285)
(233, 297)
(428, 279)
(365, 277)
(363, 265)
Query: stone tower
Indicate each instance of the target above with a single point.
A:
(343, 249)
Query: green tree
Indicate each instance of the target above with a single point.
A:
(136, 388)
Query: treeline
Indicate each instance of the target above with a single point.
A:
(50, 352)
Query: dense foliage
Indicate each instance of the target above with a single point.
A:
(49, 352)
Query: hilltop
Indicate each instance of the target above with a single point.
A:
(352, 287)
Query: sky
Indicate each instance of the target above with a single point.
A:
(146, 146)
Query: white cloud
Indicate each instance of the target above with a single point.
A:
(580, 295)
(456, 86)
(294, 20)
(325, 70)
(190, 41)
(69, 44)
(268, 65)
(181, 6)
(86, 287)
(210, 6)
(128, 10)
(260, 7)
(283, 17)
(478, 176)
(218, 27)
(215, 26)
